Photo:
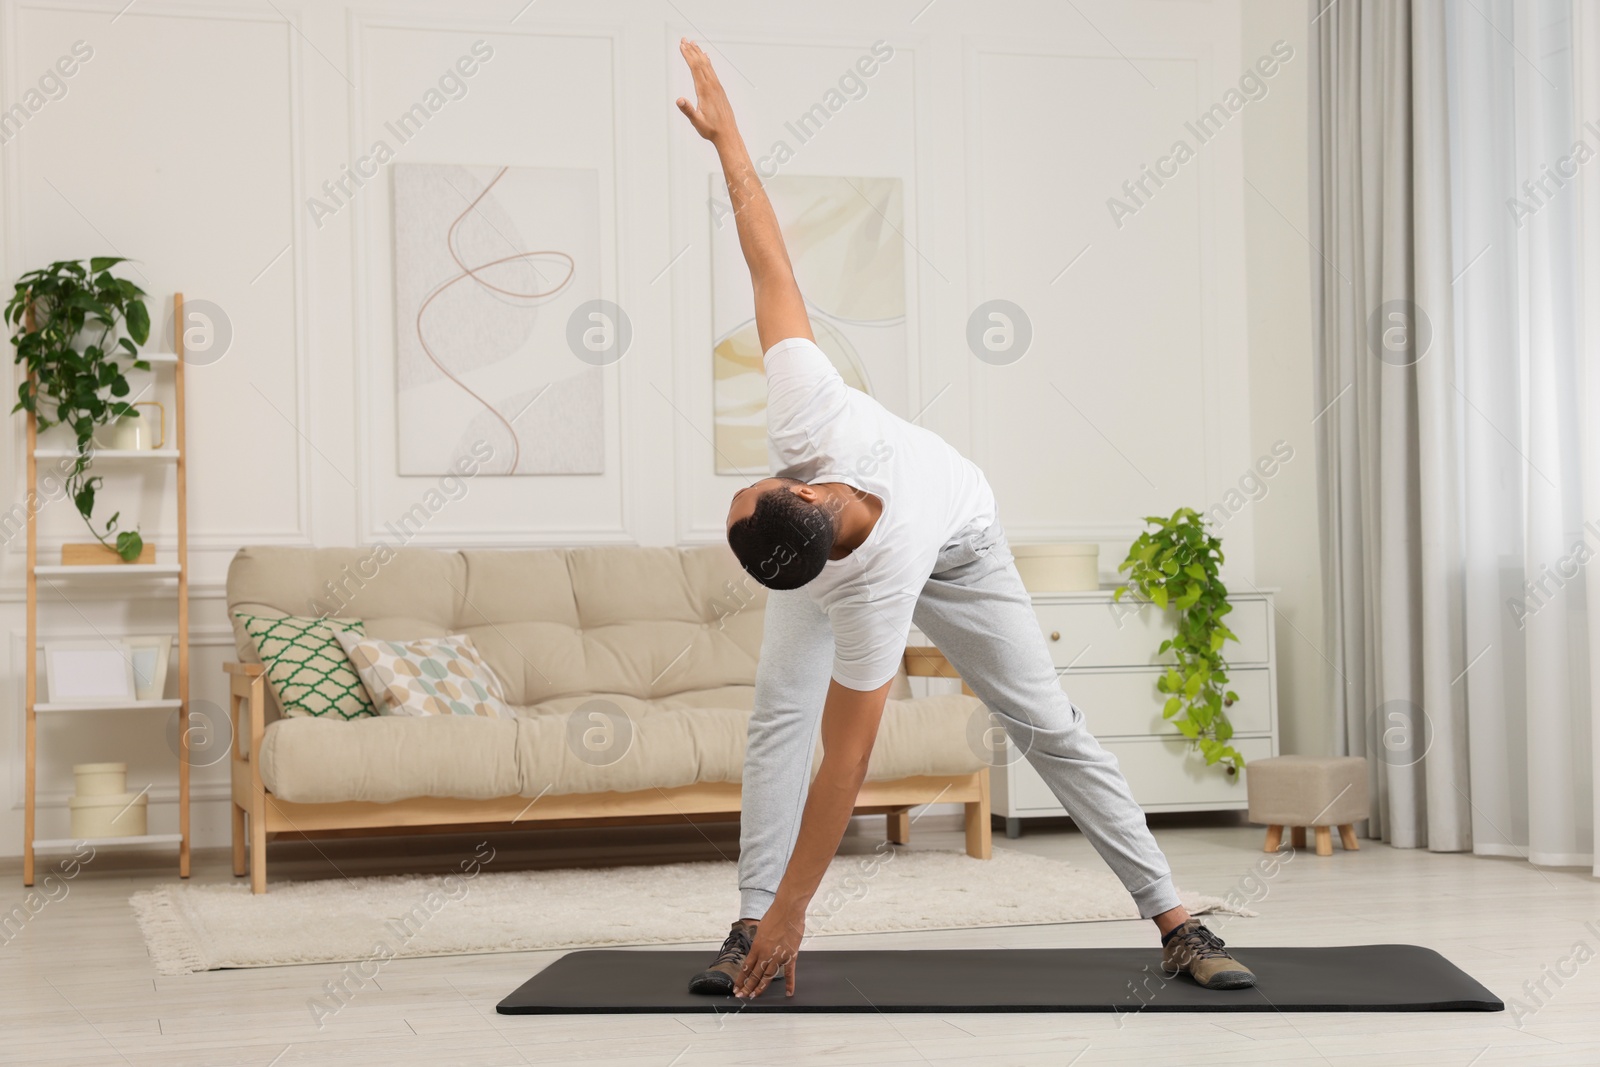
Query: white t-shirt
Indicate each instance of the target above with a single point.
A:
(821, 430)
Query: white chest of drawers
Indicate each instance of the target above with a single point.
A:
(1105, 656)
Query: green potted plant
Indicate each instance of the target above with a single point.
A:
(1174, 566)
(75, 325)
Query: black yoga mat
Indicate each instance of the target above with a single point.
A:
(1345, 978)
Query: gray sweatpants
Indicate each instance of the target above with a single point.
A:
(975, 609)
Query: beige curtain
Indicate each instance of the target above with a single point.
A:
(1459, 390)
(1382, 316)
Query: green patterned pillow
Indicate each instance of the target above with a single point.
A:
(309, 673)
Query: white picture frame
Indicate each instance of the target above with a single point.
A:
(469, 357)
(88, 672)
(149, 657)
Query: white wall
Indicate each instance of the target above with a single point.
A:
(1169, 351)
(1282, 408)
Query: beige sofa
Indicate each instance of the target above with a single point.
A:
(631, 674)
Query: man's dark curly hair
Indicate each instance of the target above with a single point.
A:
(785, 541)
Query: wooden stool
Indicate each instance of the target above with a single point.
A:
(1316, 791)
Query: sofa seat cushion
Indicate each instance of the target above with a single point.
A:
(936, 735)
(579, 744)
(390, 757)
(612, 742)
(615, 743)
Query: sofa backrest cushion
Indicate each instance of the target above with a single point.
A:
(643, 622)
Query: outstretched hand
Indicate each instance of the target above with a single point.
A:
(776, 944)
(711, 114)
(780, 311)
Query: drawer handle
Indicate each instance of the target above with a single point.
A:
(1055, 635)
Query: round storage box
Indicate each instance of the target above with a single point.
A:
(121, 815)
(101, 779)
(1059, 568)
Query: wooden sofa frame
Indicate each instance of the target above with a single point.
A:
(263, 816)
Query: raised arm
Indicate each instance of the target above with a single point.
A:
(780, 310)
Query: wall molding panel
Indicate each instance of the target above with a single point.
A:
(375, 427)
(1080, 337)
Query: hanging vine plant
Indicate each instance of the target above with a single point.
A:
(75, 324)
(1176, 565)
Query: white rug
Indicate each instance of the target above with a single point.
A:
(192, 928)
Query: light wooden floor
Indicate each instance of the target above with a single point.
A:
(76, 986)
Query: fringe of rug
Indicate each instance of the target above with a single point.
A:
(166, 935)
(1204, 904)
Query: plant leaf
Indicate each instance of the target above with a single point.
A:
(138, 319)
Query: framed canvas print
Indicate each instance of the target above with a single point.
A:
(493, 267)
(846, 242)
(84, 672)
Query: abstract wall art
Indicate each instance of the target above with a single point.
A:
(846, 241)
(490, 263)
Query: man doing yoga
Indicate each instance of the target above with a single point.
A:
(870, 525)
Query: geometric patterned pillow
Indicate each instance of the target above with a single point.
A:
(308, 671)
(426, 676)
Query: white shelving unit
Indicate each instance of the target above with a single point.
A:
(114, 575)
(69, 844)
(110, 570)
(116, 706)
(147, 455)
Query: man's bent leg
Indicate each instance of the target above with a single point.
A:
(977, 612)
(791, 686)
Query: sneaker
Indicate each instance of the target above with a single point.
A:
(1194, 949)
(718, 979)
